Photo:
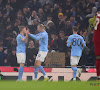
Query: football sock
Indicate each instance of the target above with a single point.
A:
(74, 71)
(42, 70)
(20, 73)
(36, 72)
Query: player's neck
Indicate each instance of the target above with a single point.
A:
(74, 32)
(42, 31)
(22, 33)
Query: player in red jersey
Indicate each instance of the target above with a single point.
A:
(96, 40)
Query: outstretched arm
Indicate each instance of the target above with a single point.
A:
(36, 37)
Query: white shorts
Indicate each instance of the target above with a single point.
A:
(21, 57)
(41, 56)
(74, 60)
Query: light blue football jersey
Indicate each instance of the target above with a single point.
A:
(77, 44)
(21, 46)
(43, 40)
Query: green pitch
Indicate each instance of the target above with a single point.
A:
(39, 85)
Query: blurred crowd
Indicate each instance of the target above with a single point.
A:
(58, 16)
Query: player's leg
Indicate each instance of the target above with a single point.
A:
(39, 59)
(20, 71)
(38, 65)
(97, 54)
(98, 67)
(74, 66)
(36, 69)
(21, 58)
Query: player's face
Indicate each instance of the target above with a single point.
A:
(24, 30)
(39, 28)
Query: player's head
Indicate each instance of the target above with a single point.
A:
(22, 29)
(40, 27)
(75, 29)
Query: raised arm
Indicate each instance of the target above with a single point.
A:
(25, 39)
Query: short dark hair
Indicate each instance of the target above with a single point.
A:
(75, 28)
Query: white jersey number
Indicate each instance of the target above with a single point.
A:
(97, 21)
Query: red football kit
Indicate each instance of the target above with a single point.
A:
(96, 40)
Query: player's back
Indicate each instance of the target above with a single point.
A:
(21, 46)
(76, 42)
(43, 42)
(97, 29)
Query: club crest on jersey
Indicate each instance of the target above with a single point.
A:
(19, 37)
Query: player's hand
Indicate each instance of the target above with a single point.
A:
(27, 32)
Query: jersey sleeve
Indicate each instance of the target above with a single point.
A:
(69, 42)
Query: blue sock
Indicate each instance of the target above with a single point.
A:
(20, 73)
(36, 71)
(74, 71)
(42, 70)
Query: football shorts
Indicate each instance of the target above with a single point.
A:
(21, 57)
(74, 60)
(41, 56)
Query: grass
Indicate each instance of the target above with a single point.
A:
(39, 85)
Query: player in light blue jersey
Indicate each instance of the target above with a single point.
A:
(77, 44)
(43, 50)
(21, 50)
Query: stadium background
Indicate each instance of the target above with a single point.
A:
(58, 16)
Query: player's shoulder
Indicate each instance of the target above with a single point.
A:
(79, 36)
(19, 36)
(71, 36)
(45, 33)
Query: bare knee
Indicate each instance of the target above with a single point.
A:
(22, 64)
(37, 63)
(73, 65)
